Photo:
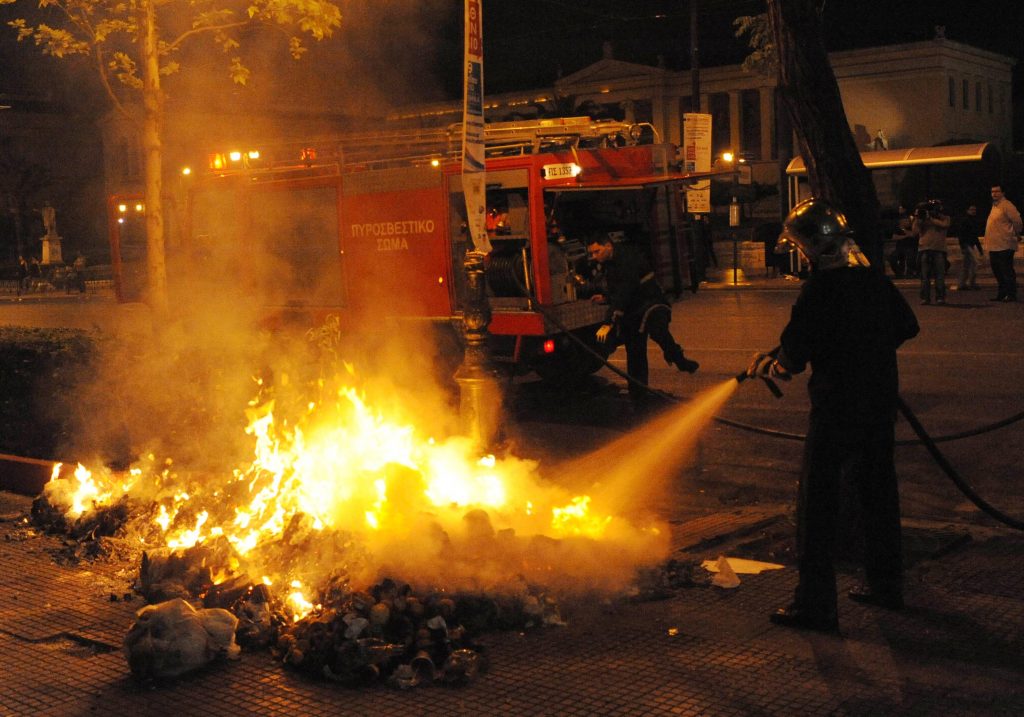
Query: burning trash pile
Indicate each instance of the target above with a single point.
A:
(292, 551)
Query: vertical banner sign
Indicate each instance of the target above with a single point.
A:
(474, 180)
(697, 148)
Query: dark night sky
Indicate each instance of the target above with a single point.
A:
(410, 50)
(569, 33)
(526, 41)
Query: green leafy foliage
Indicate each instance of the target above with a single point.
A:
(106, 28)
(52, 41)
(763, 57)
(213, 18)
(239, 72)
(135, 43)
(123, 67)
(113, 31)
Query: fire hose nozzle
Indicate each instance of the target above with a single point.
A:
(772, 386)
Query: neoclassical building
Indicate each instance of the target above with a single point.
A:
(914, 94)
(897, 96)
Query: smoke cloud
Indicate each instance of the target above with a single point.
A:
(260, 404)
(180, 403)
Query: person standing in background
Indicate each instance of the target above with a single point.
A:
(968, 231)
(22, 275)
(931, 225)
(1001, 232)
(903, 259)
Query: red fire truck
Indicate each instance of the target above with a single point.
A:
(374, 225)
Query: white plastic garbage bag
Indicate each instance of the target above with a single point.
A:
(172, 638)
(725, 577)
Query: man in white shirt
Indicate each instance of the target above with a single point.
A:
(1001, 231)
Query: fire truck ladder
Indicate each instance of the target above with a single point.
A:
(378, 150)
(534, 136)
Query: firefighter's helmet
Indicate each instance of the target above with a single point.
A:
(817, 230)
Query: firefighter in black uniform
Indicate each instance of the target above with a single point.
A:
(637, 308)
(847, 323)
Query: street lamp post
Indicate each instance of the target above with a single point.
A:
(735, 215)
(479, 391)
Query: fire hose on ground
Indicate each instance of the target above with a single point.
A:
(924, 439)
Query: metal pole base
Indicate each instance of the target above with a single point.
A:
(480, 400)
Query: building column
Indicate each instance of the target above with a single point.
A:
(766, 95)
(665, 110)
(734, 120)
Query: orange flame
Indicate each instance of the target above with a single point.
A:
(343, 466)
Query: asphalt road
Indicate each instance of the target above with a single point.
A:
(91, 310)
(965, 370)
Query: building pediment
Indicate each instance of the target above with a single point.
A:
(609, 70)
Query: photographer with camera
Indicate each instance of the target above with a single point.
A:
(903, 259)
(931, 225)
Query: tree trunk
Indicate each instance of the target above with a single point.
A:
(811, 95)
(152, 125)
(783, 148)
(834, 167)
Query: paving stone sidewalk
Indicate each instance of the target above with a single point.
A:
(955, 650)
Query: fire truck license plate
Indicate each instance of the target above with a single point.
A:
(559, 171)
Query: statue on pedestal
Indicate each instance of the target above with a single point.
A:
(51, 240)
